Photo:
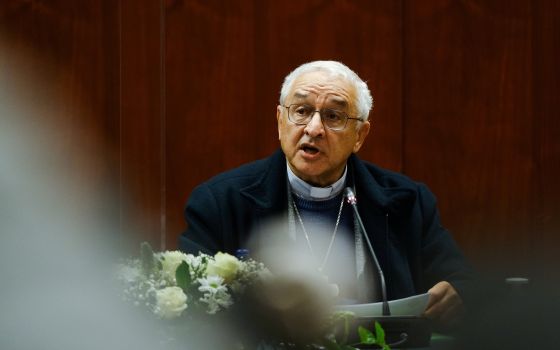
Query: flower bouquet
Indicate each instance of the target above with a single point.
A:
(168, 283)
(174, 287)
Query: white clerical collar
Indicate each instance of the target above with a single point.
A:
(306, 191)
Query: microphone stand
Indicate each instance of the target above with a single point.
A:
(351, 199)
(401, 331)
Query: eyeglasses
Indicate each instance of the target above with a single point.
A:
(301, 114)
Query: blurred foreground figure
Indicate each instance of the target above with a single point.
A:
(57, 244)
(292, 304)
(322, 122)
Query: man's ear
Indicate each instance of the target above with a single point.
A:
(362, 134)
(279, 120)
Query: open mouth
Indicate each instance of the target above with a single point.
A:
(308, 149)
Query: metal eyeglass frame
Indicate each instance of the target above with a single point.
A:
(321, 115)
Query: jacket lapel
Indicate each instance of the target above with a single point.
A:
(264, 192)
(268, 193)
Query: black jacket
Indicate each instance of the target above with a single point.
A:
(401, 217)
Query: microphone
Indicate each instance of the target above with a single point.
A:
(400, 331)
(351, 199)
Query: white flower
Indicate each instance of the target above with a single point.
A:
(170, 302)
(129, 274)
(170, 260)
(215, 293)
(219, 278)
(211, 284)
(223, 265)
(194, 261)
(197, 265)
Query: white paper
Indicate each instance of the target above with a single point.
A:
(411, 306)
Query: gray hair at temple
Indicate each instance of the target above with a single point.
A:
(364, 101)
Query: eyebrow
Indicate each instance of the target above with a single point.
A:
(301, 95)
(337, 101)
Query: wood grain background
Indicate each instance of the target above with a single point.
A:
(179, 90)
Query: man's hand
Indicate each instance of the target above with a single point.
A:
(445, 305)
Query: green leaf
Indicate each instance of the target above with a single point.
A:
(183, 276)
(147, 258)
(379, 333)
(366, 337)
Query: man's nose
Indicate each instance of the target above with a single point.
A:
(315, 126)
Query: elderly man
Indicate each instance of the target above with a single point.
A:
(322, 122)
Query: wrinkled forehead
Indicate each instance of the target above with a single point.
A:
(322, 87)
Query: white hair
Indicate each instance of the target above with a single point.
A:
(364, 101)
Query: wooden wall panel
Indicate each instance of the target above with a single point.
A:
(210, 97)
(142, 121)
(66, 74)
(169, 93)
(94, 75)
(546, 129)
(226, 60)
(477, 126)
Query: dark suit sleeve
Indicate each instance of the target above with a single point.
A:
(442, 259)
(202, 214)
